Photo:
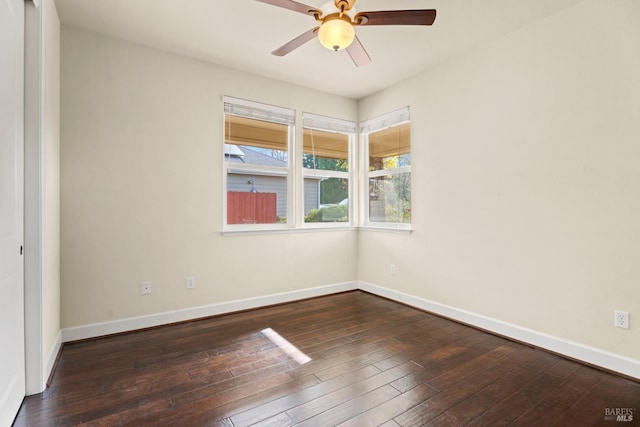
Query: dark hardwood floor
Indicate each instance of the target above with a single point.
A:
(373, 362)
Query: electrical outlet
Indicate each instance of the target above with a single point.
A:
(191, 282)
(621, 319)
(392, 269)
(146, 288)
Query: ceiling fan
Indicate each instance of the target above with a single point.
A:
(337, 20)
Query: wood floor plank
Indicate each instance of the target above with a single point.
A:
(590, 408)
(328, 401)
(629, 397)
(371, 362)
(259, 412)
(391, 408)
(226, 411)
(441, 402)
(280, 420)
(351, 407)
(462, 413)
(525, 398)
(463, 370)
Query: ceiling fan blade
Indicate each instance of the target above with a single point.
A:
(295, 43)
(396, 17)
(358, 54)
(293, 5)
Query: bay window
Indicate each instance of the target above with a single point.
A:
(262, 158)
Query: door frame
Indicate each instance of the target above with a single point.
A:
(37, 363)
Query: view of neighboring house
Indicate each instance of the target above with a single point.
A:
(243, 181)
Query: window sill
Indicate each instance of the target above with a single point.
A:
(288, 230)
(315, 229)
(405, 229)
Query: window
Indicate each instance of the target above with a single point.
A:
(326, 166)
(387, 146)
(257, 141)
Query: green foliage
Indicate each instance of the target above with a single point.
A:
(393, 199)
(333, 190)
(400, 212)
(402, 186)
(336, 213)
(310, 161)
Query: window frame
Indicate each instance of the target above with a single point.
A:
(348, 128)
(395, 118)
(358, 174)
(267, 113)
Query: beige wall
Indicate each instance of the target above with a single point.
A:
(141, 186)
(525, 157)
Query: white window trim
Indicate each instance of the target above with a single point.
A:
(394, 171)
(266, 112)
(252, 169)
(310, 173)
(344, 127)
(394, 118)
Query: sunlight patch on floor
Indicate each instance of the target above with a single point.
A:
(290, 349)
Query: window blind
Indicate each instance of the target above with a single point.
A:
(258, 111)
(385, 121)
(317, 122)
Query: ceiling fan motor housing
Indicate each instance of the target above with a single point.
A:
(344, 5)
(331, 10)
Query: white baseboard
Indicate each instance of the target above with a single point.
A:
(45, 365)
(593, 356)
(53, 356)
(134, 323)
(611, 361)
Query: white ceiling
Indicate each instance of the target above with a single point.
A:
(241, 34)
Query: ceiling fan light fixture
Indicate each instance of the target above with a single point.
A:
(336, 34)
